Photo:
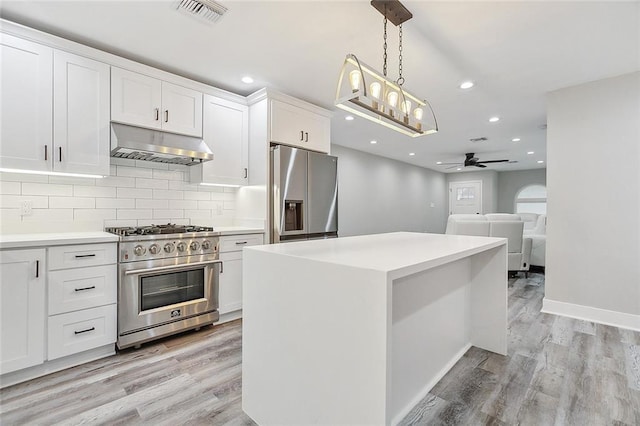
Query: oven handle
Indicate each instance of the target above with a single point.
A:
(170, 267)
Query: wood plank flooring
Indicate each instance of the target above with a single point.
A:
(559, 371)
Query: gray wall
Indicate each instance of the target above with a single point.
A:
(509, 183)
(377, 194)
(489, 180)
(593, 199)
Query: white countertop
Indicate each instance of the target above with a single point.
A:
(10, 241)
(399, 253)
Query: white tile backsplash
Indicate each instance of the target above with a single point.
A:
(136, 194)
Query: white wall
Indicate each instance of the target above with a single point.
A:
(377, 194)
(510, 183)
(137, 193)
(489, 180)
(593, 194)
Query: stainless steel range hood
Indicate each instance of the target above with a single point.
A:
(137, 143)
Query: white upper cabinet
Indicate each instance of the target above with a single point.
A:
(55, 110)
(148, 102)
(293, 125)
(81, 115)
(225, 131)
(135, 98)
(26, 104)
(22, 309)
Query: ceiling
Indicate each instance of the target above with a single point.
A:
(515, 52)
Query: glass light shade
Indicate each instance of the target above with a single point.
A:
(418, 113)
(406, 107)
(354, 79)
(376, 89)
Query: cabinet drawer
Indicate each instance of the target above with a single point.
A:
(237, 242)
(80, 331)
(64, 257)
(82, 288)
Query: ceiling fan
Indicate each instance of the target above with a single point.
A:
(470, 160)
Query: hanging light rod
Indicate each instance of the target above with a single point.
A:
(393, 10)
(372, 95)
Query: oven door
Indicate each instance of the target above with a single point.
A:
(160, 292)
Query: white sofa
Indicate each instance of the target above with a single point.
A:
(502, 226)
(538, 235)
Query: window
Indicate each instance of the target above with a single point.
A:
(532, 199)
(466, 193)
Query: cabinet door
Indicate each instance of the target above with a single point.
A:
(299, 127)
(22, 308)
(26, 99)
(135, 98)
(181, 110)
(226, 133)
(80, 114)
(230, 293)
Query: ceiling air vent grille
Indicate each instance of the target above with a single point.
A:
(204, 9)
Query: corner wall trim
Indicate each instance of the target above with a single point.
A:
(589, 313)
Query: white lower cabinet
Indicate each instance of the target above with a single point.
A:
(82, 298)
(22, 309)
(79, 331)
(230, 291)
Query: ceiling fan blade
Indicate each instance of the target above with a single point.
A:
(448, 164)
(480, 165)
(493, 161)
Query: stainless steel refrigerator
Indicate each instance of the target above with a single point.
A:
(304, 200)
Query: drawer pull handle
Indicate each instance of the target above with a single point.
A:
(85, 288)
(37, 269)
(239, 243)
(82, 256)
(85, 331)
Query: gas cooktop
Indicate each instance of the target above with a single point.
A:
(169, 228)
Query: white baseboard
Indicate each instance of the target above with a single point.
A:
(229, 316)
(588, 313)
(425, 390)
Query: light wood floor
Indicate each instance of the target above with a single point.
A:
(559, 371)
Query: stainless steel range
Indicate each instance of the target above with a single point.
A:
(168, 279)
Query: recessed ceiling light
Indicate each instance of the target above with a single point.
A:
(247, 79)
(412, 154)
(459, 168)
(438, 162)
(494, 119)
(373, 142)
(466, 85)
(349, 117)
(515, 140)
(530, 153)
(540, 161)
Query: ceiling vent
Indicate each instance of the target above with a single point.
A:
(208, 10)
(482, 139)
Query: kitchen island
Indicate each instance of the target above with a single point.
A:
(357, 330)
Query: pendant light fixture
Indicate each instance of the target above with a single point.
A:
(365, 92)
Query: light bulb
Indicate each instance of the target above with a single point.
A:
(375, 88)
(406, 107)
(354, 78)
(392, 98)
(417, 113)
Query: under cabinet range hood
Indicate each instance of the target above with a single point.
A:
(137, 143)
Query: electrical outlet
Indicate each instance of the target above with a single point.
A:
(26, 208)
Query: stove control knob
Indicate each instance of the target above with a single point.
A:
(206, 245)
(194, 245)
(169, 247)
(181, 247)
(154, 249)
(139, 250)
